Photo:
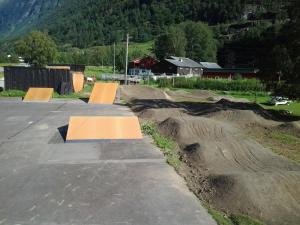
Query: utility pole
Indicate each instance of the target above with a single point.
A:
(114, 58)
(126, 69)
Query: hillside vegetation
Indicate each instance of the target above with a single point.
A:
(100, 22)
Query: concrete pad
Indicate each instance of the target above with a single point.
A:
(46, 182)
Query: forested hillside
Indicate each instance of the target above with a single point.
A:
(19, 16)
(100, 22)
(90, 22)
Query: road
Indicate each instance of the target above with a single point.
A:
(45, 181)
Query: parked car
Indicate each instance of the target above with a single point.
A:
(278, 100)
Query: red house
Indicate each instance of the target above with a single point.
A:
(143, 63)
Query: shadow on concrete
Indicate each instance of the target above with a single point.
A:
(86, 100)
(63, 132)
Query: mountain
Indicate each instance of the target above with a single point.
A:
(85, 23)
(19, 16)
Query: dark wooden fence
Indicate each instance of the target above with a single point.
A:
(22, 78)
(73, 67)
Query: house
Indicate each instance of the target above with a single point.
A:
(210, 65)
(227, 73)
(141, 66)
(213, 70)
(178, 65)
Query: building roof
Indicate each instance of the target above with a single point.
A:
(210, 65)
(232, 70)
(183, 62)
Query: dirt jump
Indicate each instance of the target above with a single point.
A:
(222, 164)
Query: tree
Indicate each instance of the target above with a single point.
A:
(173, 42)
(201, 44)
(37, 49)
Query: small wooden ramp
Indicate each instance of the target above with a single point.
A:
(38, 94)
(78, 81)
(103, 128)
(103, 93)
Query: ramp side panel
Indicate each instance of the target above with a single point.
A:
(103, 93)
(78, 82)
(39, 94)
(103, 128)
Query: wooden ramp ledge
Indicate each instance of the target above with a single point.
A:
(103, 93)
(38, 95)
(103, 128)
(78, 82)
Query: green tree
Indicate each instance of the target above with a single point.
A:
(173, 42)
(201, 45)
(37, 49)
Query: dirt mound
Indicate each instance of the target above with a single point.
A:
(221, 163)
(132, 92)
(191, 95)
(237, 174)
(243, 118)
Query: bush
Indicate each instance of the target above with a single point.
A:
(212, 84)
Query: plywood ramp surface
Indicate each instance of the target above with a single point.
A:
(59, 67)
(78, 81)
(101, 128)
(38, 94)
(103, 93)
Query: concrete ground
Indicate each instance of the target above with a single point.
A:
(44, 181)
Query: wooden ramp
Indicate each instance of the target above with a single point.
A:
(78, 81)
(103, 93)
(103, 128)
(38, 95)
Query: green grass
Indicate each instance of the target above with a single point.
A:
(262, 98)
(85, 93)
(91, 71)
(143, 48)
(7, 64)
(223, 219)
(285, 144)
(244, 220)
(12, 93)
(219, 217)
(166, 144)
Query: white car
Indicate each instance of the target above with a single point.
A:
(280, 101)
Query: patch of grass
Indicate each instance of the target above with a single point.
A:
(7, 64)
(166, 144)
(12, 93)
(219, 217)
(91, 71)
(223, 219)
(286, 145)
(85, 93)
(244, 220)
(280, 142)
(263, 98)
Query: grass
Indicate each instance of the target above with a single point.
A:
(262, 98)
(85, 93)
(7, 64)
(285, 144)
(166, 144)
(223, 219)
(91, 71)
(12, 93)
